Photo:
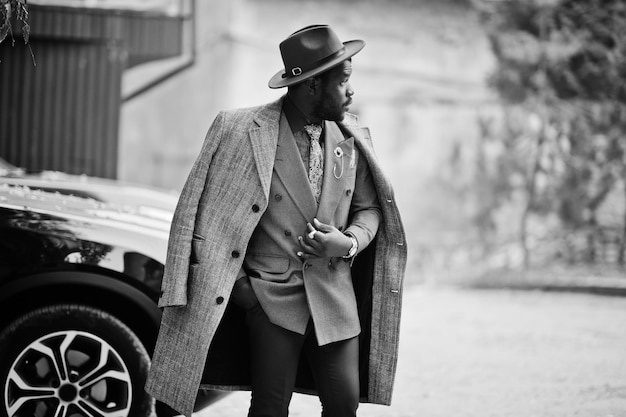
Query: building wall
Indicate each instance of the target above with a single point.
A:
(420, 87)
(59, 95)
(161, 131)
(420, 56)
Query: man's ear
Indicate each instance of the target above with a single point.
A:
(312, 85)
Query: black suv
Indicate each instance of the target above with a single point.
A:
(81, 262)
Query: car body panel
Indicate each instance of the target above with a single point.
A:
(142, 199)
(41, 230)
(93, 241)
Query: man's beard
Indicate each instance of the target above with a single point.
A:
(326, 109)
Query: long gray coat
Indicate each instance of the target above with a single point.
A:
(201, 341)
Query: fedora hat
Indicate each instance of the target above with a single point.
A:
(311, 51)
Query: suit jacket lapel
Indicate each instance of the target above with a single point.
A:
(334, 169)
(293, 175)
(264, 139)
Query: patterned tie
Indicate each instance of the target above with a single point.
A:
(316, 160)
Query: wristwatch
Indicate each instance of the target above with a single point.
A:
(353, 249)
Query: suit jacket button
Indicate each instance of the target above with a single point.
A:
(278, 197)
(348, 192)
(235, 254)
(219, 300)
(307, 265)
(255, 208)
(287, 233)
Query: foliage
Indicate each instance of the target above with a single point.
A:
(561, 72)
(7, 8)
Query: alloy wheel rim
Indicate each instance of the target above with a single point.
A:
(68, 374)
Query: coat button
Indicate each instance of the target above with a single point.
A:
(287, 233)
(307, 265)
(219, 300)
(278, 197)
(348, 192)
(235, 254)
(255, 208)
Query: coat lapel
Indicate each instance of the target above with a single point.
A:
(263, 139)
(293, 174)
(337, 154)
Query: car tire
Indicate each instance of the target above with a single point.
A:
(72, 360)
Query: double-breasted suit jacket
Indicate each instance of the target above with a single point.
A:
(201, 340)
(289, 290)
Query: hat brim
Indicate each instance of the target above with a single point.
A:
(351, 48)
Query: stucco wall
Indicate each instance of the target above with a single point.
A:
(419, 82)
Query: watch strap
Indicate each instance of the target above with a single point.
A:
(353, 248)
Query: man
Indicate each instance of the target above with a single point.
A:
(263, 288)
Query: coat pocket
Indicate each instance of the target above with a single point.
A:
(268, 267)
(196, 249)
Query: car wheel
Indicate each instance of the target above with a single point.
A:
(72, 361)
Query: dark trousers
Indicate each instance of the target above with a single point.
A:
(275, 353)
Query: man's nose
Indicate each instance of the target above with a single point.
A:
(349, 91)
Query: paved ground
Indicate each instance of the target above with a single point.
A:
(498, 353)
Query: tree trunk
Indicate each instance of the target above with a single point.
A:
(531, 191)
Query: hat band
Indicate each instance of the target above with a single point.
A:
(296, 71)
